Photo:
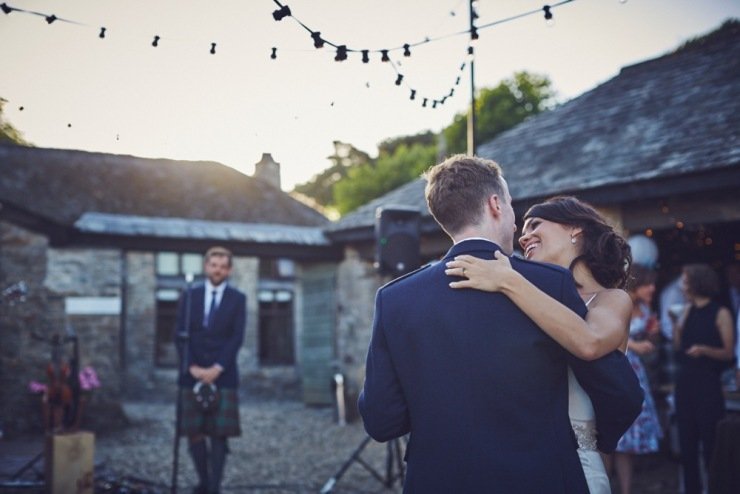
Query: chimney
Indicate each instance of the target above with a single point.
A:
(267, 170)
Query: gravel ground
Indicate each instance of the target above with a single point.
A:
(285, 447)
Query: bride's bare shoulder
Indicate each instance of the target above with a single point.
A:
(614, 298)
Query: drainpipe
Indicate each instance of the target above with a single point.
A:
(124, 312)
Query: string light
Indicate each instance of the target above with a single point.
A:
(317, 41)
(548, 15)
(424, 103)
(342, 50)
(281, 13)
(413, 94)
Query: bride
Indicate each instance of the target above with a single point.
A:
(571, 234)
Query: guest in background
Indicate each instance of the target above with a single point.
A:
(644, 435)
(703, 339)
(672, 300)
(217, 320)
(732, 274)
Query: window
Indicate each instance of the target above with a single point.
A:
(171, 270)
(276, 327)
(177, 264)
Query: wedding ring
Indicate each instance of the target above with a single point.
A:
(463, 271)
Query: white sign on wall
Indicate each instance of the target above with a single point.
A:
(93, 306)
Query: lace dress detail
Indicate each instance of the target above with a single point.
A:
(585, 434)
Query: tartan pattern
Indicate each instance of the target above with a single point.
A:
(222, 422)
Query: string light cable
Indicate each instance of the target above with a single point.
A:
(343, 50)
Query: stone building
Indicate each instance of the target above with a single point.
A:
(656, 149)
(104, 242)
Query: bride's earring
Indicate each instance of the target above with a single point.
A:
(573, 240)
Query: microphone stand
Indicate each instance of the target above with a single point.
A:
(183, 339)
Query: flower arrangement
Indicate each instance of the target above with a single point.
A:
(87, 376)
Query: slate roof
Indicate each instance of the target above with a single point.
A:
(673, 117)
(114, 224)
(60, 186)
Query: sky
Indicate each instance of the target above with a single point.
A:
(66, 87)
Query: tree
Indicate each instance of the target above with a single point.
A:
(8, 133)
(355, 179)
(501, 108)
(321, 187)
(389, 146)
(390, 171)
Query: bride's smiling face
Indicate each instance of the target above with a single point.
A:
(547, 241)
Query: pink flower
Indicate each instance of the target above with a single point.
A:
(36, 387)
(89, 379)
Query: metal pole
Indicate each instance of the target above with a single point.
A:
(183, 339)
(471, 114)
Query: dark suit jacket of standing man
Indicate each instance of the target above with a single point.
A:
(482, 390)
(220, 342)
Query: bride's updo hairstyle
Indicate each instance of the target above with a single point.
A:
(603, 251)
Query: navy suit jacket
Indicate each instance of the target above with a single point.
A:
(481, 389)
(220, 342)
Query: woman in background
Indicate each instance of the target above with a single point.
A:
(703, 339)
(644, 435)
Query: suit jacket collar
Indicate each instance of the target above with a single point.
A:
(472, 246)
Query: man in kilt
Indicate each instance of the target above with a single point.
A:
(210, 405)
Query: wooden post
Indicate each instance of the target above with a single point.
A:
(69, 462)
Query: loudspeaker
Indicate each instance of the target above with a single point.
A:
(397, 240)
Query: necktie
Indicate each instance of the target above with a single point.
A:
(211, 310)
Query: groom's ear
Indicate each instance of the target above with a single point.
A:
(494, 204)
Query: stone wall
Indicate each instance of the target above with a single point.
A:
(140, 325)
(22, 358)
(87, 276)
(244, 276)
(357, 282)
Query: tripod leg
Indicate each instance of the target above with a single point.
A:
(399, 462)
(27, 466)
(389, 463)
(329, 485)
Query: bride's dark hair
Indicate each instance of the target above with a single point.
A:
(606, 253)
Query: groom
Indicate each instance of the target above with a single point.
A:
(482, 390)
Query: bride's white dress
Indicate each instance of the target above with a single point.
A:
(582, 419)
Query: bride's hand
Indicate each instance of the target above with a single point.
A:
(479, 273)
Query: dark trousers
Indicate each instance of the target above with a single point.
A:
(699, 406)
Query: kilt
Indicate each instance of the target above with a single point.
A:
(223, 421)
